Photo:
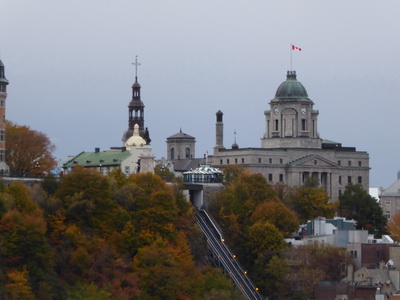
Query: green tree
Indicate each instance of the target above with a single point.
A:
(87, 292)
(355, 203)
(274, 274)
(86, 196)
(164, 172)
(27, 150)
(50, 184)
(217, 287)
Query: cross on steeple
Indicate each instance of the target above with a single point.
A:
(136, 64)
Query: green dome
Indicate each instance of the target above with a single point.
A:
(291, 88)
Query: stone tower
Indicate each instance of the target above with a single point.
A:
(136, 112)
(219, 132)
(3, 96)
(180, 146)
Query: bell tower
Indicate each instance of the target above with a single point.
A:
(3, 96)
(136, 111)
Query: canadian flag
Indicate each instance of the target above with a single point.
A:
(295, 48)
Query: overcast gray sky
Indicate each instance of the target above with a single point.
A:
(69, 64)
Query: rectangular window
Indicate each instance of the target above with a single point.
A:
(348, 179)
(2, 136)
(276, 125)
(387, 202)
(281, 177)
(340, 179)
(270, 160)
(220, 162)
(259, 160)
(387, 215)
(270, 177)
(339, 162)
(235, 160)
(359, 163)
(349, 163)
(359, 179)
(2, 155)
(227, 161)
(281, 161)
(2, 103)
(242, 160)
(315, 162)
(127, 169)
(303, 125)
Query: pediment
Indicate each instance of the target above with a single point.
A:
(313, 161)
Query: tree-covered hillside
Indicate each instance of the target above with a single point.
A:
(94, 237)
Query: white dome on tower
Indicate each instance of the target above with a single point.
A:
(135, 140)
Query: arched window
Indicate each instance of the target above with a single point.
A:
(187, 152)
(172, 153)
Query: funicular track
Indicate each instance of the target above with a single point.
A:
(222, 256)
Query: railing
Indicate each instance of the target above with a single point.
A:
(224, 258)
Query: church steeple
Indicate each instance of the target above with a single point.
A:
(136, 111)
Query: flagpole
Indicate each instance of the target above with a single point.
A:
(291, 61)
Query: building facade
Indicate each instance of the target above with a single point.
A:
(390, 199)
(291, 149)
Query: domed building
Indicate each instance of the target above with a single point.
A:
(291, 149)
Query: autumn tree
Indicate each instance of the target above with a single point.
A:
(27, 150)
(310, 202)
(166, 272)
(18, 287)
(277, 213)
(394, 227)
(86, 196)
(308, 265)
(24, 244)
(357, 204)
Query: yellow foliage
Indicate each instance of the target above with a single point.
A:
(18, 287)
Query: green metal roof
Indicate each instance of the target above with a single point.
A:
(291, 89)
(93, 159)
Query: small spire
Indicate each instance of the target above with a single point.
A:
(180, 130)
(235, 145)
(136, 64)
